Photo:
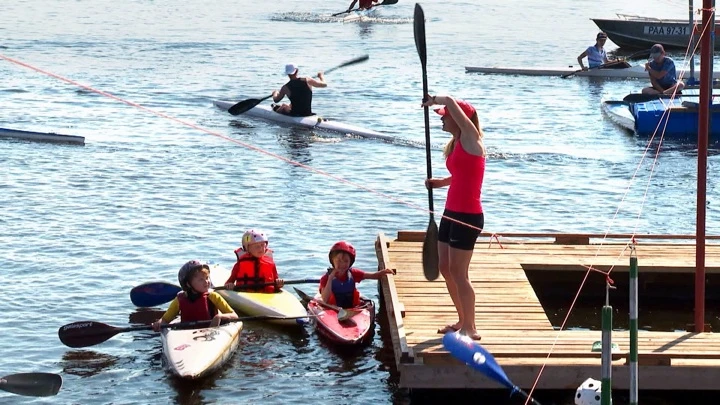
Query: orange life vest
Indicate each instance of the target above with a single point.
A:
(252, 270)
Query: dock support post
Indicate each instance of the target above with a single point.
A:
(606, 359)
(633, 329)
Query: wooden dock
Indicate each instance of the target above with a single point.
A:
(514, 325)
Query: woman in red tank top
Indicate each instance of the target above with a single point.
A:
(463, 218)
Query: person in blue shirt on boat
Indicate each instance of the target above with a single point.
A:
(663, 77)
(299, 91)
(595, 54)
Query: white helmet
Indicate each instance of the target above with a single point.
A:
(588, 393)
(253, 236)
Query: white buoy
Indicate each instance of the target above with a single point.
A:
(588, 393)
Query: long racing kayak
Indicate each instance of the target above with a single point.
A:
(280, 304)
(356, 330)
(41, 136)
(312, 121)
(358, 15)
(195, 353)
(633, 72)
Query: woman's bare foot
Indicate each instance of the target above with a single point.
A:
(473, 334)
(449, 328)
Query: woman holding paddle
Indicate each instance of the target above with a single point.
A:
(596, 54)
(463, 218)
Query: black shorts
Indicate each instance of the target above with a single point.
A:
(457, 235)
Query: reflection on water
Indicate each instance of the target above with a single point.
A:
(87, 363)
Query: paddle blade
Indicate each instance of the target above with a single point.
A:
(419, 30)
(303, 296)
(244, 106)
(153, 294)
(350, 62)
(430, 258)
(471, 353)
(388, 2)
(32, 384)
(642, 98)
(86, 333)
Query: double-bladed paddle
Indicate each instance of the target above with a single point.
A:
(471, 353)
(384, 3)
(32, 384)
(248, 104)
(343, 314)
(90, 333)
(429, 251)
(160, 292)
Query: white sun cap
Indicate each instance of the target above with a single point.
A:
(290, 68)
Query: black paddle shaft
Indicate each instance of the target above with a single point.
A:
(419, 28)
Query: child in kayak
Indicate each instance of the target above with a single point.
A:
(337, 286)
(194, 302)
(254, 265)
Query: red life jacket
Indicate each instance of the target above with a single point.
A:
(251, 270)
(202, 309)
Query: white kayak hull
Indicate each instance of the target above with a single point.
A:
(313, 121)
(358, 15)
(41, 136)
(619, 113)
(195, 353)
(633, 72)
(280, 304)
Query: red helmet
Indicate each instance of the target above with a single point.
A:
(342, 246)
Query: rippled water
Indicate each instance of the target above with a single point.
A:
(83, 225)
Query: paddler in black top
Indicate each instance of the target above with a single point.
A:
(299, 91)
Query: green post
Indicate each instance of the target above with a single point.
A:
(633, 329)
(606, 359)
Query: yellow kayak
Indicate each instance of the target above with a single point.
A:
(281, 304)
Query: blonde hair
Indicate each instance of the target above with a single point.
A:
(451, 143)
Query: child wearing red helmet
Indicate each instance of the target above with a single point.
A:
(338, 285)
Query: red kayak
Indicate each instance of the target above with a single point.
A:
(355, 330)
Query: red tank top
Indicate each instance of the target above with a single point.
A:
(466, 184)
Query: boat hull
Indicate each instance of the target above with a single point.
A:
(41, 136)
(633, 72)
(280, 304)
(313, 121)
(642, 33)
(358, 15)
(355, 331)
(196, 353)
(674, 118)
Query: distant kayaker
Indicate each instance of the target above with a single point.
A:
(299, 91)
(363, 5)
(463, 218)
(595, 54)
(338, 285)
(254, 265)
(663, 77)
(194, 302)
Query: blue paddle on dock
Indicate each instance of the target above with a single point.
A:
(157, 293)
(471, 353)
(430, 257)
(32, 384)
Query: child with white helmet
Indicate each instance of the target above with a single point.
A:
(254, 265)
(337, 286)
(195, 302)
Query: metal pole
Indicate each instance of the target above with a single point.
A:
(606, 358)
(633, 328)
(706, 62)
(692, 80)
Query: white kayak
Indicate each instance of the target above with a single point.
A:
(195, 353)
(619, 113)
(633, 72)
(358, 15)
(41, 136)
(279, 304)
(312, 121)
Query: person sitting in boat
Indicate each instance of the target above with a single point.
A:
(663, 77)
(363, 5)
(254, 265)
(595, 54)
(338, 285)
(195, 302)
(299, 91)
